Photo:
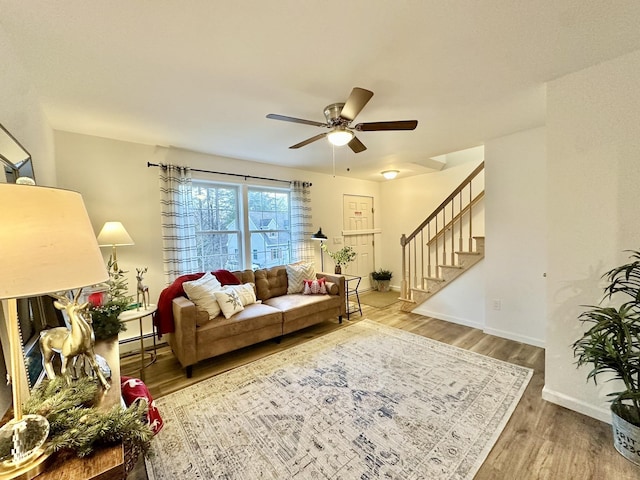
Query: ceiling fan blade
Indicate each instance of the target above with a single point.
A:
(355, 103)
(356, 145)
(274, 116)
(308, 141)
(376, 126)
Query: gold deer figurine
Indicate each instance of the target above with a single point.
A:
(70, 344)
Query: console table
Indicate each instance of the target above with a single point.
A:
(107, 463)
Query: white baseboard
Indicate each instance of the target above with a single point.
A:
(449, 318)
(536, 342)
(599, 413)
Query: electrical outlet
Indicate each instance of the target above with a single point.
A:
(497, 304)
(337, 240)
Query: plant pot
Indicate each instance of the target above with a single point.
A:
(338, 269)
(626, 438)
(383, 285)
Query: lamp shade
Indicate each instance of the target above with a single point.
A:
(319, 235)
(47, 243)
(114, 234)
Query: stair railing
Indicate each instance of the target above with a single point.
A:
(433, 243)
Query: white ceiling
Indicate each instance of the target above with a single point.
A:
(202, 74)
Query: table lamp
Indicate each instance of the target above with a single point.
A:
(113, 234)
(322, 237)
(47, 245)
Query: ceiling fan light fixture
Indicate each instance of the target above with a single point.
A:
(390, 174)
(340, 136)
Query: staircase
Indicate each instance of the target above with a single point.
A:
(444, 246)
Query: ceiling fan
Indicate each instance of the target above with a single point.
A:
(340, 115)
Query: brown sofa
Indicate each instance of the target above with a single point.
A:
(196, 337)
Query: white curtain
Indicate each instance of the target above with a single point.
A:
(301, 226)
(178, 225)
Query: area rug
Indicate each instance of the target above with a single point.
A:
(379, 299)
(363, 402)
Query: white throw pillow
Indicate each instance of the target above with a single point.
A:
(229, 302)
(246, 292)
(200, 292)
(297, 273)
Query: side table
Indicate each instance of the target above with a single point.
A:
(139, 314)
(352, 283)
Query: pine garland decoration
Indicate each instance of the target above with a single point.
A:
(77, 426)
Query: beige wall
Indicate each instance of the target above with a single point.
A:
(116, 184)
(593, 126)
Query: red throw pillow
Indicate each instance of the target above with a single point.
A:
(225, 277)
(312, 287)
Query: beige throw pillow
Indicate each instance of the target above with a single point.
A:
(297, 273)
(246, 292)
(201, 291)
(229, 302)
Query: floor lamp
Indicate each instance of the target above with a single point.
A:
(47, 245)
(322, 237)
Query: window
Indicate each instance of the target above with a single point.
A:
(234, 219)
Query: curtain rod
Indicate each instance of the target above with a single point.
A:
(149, 164)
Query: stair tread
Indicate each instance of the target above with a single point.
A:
(468, 253)
(457, 267)
(434, 279)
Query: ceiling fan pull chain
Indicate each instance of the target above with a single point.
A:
(333, 150)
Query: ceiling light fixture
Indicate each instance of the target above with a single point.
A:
(340, 136)
(390, 174)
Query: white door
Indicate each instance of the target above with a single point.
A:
(358, 215)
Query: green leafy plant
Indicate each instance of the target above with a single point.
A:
(341, 257)
(612, 343)
(105, 316)
(381, 274)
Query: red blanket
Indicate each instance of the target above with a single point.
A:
(134, 389)
(163, 317)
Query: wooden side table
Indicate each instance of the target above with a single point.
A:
(139, 314)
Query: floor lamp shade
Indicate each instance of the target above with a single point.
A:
(47, 243)
(113, 234)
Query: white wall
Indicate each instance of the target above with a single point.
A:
(516, 236)
(593, 125)
(22, 114)
(116, 184)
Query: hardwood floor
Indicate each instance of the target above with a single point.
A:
(541, 440)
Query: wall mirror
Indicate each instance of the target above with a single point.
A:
(15, 158)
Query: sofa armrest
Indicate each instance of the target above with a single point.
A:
(183, 339)
(339, 281)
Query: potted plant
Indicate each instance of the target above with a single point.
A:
(612, 346)
(382, 279)
(343, 256)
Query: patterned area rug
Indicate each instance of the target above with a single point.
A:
(364, 402)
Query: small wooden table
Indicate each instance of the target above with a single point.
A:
(106, 463)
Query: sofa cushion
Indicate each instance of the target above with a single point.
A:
(299, 305)
(200, 292)
(253, 317)
(271, 282)
(297, 273)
